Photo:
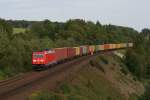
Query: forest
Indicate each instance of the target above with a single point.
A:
(16, 49)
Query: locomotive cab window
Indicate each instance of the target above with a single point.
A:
(38, 55)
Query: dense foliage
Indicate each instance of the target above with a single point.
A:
(16, 49)
(138, 60)
(146, 95)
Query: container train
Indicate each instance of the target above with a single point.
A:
(46, 58)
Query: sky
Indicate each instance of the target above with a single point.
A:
(131, 13)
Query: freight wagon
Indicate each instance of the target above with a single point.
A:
(101, 47)
(77, 51)
(91, 49)
(71, 52)
(130, 44)
(60, 54)
(97, 48)
(106, 46)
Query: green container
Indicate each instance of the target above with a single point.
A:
(97, 48)
(85, 49)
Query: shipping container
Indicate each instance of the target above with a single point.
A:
(110, 46)
(117, 46)
(61, 53)
(113, 46)
(124, 45)
(97, 48)
(85, 49)
(77, 49)
(91, 48)
(71, 52)
(130, 44)
(121, 45)
(88, 49)
(81, 51)
(127, 44)
(106, 46)
(101, 47)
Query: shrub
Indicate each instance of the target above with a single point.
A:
(146, 95)
(104, 60)
(65, 88)
(46, 95)
(95, 63)
(124, 70)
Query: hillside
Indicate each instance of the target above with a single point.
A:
(103, 78)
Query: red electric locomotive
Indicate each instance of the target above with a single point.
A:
(43, 59)
(50, 57)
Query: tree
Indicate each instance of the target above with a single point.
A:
(138, 59)
(43, 29)
(146, 33)
(146, 95)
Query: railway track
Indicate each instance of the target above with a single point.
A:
(20, 87)
(15, 78)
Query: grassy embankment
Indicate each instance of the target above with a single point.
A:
(101, 79)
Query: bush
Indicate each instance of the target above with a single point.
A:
(46, 95)
(104, 60)
(65, 88)
(2, 75)
(125, 71)
(124, 68)
(95, 63)
(146, 95)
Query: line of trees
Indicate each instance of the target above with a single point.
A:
(16, 49)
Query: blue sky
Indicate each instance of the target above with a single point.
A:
(132, 13)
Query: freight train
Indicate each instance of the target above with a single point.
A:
(46, 58)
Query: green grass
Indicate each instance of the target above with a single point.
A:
(122, 51)
(133, 97)
(18, 30)
(104, 60)
(89, 85)
(7, 72)
(2, 75)
(46, 95)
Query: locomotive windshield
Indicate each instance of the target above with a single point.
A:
(38, 55)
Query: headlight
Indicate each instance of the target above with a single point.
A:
(34, 60)
(42, 60)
